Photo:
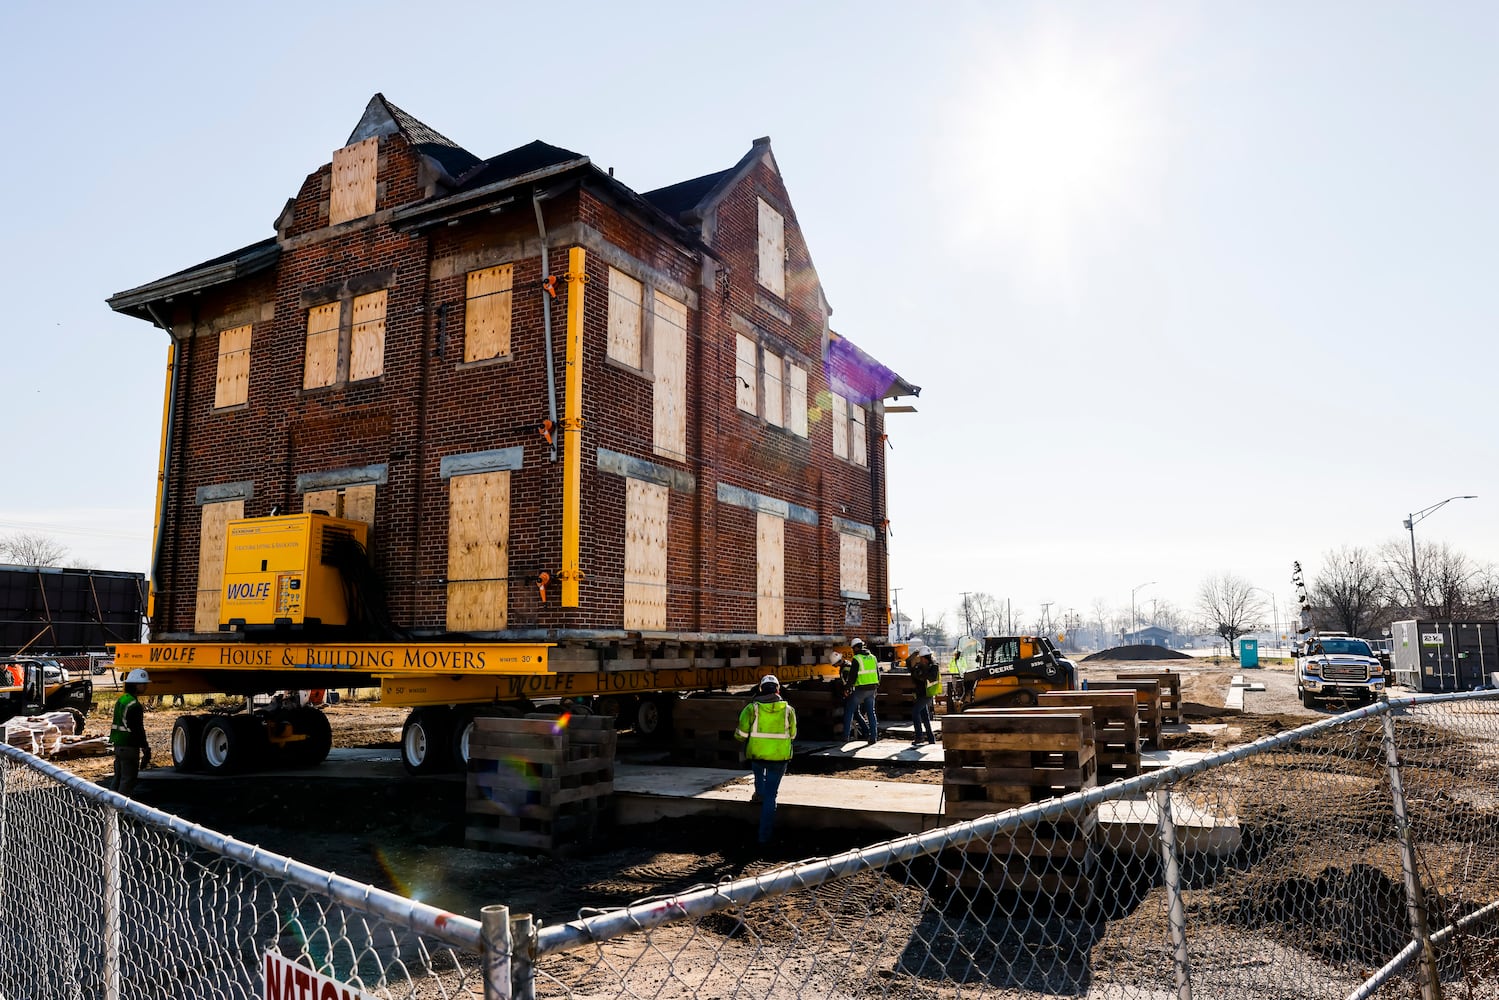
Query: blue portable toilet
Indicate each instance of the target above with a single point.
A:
(1249, 652)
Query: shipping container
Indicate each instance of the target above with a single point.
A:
(1445, 655)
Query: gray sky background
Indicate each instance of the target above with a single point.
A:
(1189, 287)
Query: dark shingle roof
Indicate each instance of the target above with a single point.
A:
(423, 137)
(514, 163)
(674, 199)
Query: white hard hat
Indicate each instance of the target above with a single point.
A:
(138, 676)
(769, 679)
(924, 651)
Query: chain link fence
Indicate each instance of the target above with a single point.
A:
(1354, 857)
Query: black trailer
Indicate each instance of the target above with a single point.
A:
(69, 611)
(1445, 655)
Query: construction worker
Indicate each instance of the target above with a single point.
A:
(860, 701)
(767, 726)
(128, 733)
(925, 678)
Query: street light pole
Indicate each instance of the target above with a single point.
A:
(1134, 620)
(1410, 525)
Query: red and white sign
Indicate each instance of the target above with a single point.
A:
(289, 980)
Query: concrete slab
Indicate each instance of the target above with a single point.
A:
(884, 752)
(1129, 826)
(1235, 697)
(1154, 760)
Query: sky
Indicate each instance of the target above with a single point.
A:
(1189, 288)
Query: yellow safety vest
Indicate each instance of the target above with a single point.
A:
(869, 670)
(768, 727)
(119, 733)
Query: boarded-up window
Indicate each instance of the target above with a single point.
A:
(746, 373)
(352, 503)
(624, 318)
(645, 555)
(775, 412)
(352, 192)
(321, 367)
(770, 574)
(367, 338)
(211, 536)
(858, 450)
(772, 249)
(669, 369)
(853, 565)
(478, 551)
(839, 407)
(796, 399)
(233, 384)
(486, 313)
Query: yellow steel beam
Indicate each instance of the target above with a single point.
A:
(161, 473)
(572, 431)
(360, 657)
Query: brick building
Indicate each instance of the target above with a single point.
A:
(398, 354)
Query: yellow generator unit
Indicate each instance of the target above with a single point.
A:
(283, 571)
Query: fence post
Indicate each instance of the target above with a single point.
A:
(523, 956)
(494, 935)
(1415, 899)
(1176, 912)
(111, 861)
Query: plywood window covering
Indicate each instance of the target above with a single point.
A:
(214, 523)
(839, 407)
(645, 555)
(352, 191)
(796, 399)
(669, 371)
(747, 373)
(367, 339)
(858, 450)
(625, 306)
(352, 503)
(233, 384)
(770, 574)
(853, 563)
(772, 249)
(486, 313)
(321, 366)
(775, 411)
(478, 552)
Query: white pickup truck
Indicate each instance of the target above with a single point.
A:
(1334, 666)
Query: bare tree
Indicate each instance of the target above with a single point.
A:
(27, 549)
(1436, 585)
(1351, 587)
(1228, 607)
(1168, 616)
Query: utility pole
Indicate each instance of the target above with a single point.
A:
(895, 599)
(1046, 617)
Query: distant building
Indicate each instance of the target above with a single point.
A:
(1150, 635)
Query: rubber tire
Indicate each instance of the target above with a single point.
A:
(653, 718)
(1307, 701)
(424, 741)
(1025, 698)
(461, 728)
(231, 743)
(314, 724)
(187, 743)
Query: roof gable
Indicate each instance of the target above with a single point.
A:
(383, 118)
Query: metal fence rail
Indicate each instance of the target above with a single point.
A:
(1354, 857)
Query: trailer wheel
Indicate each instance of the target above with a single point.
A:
(653, 717)
(314, 725)
(424, 740)
(458, 737)
(230, 743)
(187, 743)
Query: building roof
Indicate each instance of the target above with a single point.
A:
(682, 197)
(383, 118)
(859, 377)
(525, 159)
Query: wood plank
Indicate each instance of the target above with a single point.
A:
(626, 303)
(367, 339)
(1012, 741)
(327, 501)
(770, 574)
(858, 447)
(213, 530)
(478, 551)
(796, 404)
(351, 193)
(358, 504)
(669, 373)
(486, 313)
(321, 365)
(772, 249)
(646, 522)
(747, 374)
(853, 563)
(771, 367)
(839, 406)
(232, 385)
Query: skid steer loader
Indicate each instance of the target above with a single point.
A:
(1012, 670)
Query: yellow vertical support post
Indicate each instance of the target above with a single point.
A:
(572, 430)
(161, 473)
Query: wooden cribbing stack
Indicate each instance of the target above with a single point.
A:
(1171, 690)
(703, 730)
(541, 782)
(1147, 701)
(819, 712)
(897, 698)
(1116, 728)
(997, 759)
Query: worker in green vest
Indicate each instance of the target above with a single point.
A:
(767, 726)
(128, 733)
(925, 680)
(859, 701)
